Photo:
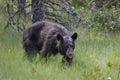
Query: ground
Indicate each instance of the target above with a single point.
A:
(97, 57)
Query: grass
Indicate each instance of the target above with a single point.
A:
(96, 57)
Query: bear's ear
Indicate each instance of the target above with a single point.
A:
(74, 36)
(59, 37)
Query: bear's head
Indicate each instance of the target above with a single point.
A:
(67, 45)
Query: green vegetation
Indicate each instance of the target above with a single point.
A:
(96, 56)
(102, 15)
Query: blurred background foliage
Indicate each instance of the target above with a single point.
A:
(102, 15)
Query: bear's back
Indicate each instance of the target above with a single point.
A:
(53, 28)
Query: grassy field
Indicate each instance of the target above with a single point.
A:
(97, 57)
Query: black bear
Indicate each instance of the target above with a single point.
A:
(48, 38)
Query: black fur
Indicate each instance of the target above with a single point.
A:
(48, 38)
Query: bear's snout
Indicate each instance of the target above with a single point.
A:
(70, 53)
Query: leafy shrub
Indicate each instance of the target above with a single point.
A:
(106, 19)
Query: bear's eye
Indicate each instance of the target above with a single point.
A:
(71, 46)
(65, 47)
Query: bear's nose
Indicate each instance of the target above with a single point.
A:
(70, 52)
(70, 55)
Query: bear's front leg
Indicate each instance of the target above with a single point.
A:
(45, 49)
(43, 53)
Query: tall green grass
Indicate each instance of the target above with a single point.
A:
(96, 57)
